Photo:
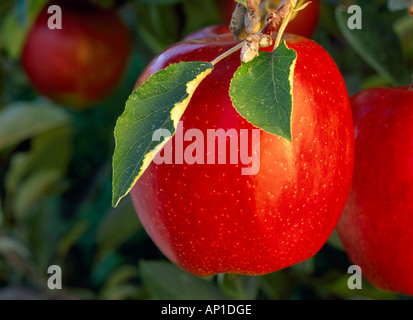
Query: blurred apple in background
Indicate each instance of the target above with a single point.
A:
(83, 62)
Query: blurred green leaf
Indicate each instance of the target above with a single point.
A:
(338, 288)
(44, 228)
(335, 242)
(168, 282)
(11, 245)
(376, 43)
(277, 285)
(17, 23)
(121, 276)
(69, 239)
(121, 292)
(118, 285)
(396, 5)
(239, 287)
(104, 3)
(116, 227)
(49, 150)
(36, 187)
(23, 120)
(157, 26)
(210, 15)
(6, 5)
(404, 29)
(14, 36)
(32, 8)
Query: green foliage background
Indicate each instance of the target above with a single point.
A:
(55, 168)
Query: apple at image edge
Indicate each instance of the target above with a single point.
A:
(376, 227)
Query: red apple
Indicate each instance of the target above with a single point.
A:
(304, 24)
(210, 219)
(306, 21)
(377, 224)
(81, 63)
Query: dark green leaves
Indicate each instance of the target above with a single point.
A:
(261, 90)
(167, 282)
(16, 25)
(158, 104)
(25, 120)
(376, 43)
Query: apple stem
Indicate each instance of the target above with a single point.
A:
(227, 53)
(253, 5)
(237, 24)
(279, 18)
(243, 16)
(410, 9)
(246, 19)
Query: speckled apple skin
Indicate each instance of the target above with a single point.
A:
(377, 224)
(210, 219)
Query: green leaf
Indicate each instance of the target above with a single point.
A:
(49, 150)
(121, 275)
(194, 20)
(12, 245)
(335, 241)
(14, 36)
(261, 90)
(69, 239)
(17, 24)
(117, 226)
(376, 43)
(239, 287)
(21, 121)
(167, 282)
(243, 2)
(158, 104)
(36, 187)
(396, 5)
(33, 8)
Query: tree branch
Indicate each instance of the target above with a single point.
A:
(263, 38)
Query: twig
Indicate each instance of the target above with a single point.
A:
(252, 18)
(253, 5)
(277, 19)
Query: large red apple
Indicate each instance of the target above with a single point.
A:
(377, 224)
(210, 219)
(304, 24)
(81, 63)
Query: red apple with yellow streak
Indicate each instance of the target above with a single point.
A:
(211, 219)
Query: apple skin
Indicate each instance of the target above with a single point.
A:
(83, 62)
(304, 24)
(376, 227)
(210, 219)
